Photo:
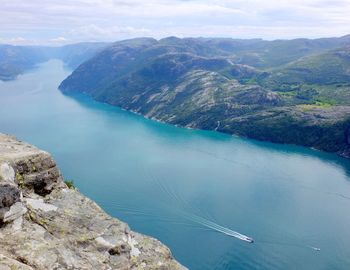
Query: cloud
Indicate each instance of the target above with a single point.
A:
(14, 40)
(93, 32)
(59, 40)
(107, 20)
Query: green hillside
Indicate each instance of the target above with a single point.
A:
(281, 91)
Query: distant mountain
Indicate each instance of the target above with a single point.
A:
(285, 91)
(15, 60)
(75, 54)
(266, 54)
(257, 52)
(331, 67)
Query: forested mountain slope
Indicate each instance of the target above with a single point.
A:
(286, 91)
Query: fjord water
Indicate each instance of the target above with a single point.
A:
(156, 177)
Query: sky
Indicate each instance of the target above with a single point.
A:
(57, 22)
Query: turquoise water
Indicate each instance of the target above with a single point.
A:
(159, 178)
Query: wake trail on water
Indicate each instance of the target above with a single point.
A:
(218, 228)
(180, 212)
(187, 211)
(198, 219)
(277, 243)
(290, 239)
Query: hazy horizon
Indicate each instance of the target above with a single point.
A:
(56, 23)
(158, 39)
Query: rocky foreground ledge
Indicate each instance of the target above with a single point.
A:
(46, 225)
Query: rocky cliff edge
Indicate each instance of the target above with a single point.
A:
(46, 225)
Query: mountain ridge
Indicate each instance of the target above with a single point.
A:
(296, 93)
(16, 60)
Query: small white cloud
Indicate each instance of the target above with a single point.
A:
(59, 40)
(93, 32)
(15, 40)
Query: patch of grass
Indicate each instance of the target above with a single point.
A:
(70, 184)
(20, 180)
(316, 105)
(325, 102)
(251, 81)
(287, 94)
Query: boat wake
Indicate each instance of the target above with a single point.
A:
(188, 211)
(315, 248)
(180, 211)
(216, 227)
(198, 219)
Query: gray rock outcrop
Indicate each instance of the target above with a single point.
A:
(46, 225)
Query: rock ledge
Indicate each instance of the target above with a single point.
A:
(45, 225)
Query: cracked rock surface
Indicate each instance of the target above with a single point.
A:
(46, 225)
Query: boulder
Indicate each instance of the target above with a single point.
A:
(14, 212)
(7, 173)
(9, 195)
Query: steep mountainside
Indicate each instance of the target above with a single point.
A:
(15, 60)
(294, 91)
(75, 54)
(46, 225)
(332, 67)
